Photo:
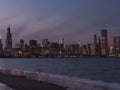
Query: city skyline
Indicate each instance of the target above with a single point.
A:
(72, 19)
(102, 45)
(10, 43)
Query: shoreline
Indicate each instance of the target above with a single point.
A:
(26, 80)
(22, 83)
(63, 57)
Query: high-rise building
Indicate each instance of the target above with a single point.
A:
(1, 45)
(93, 49)
(104, 42)
(26, 47)
(84, 50)
(8, 46)
(117, 45)
(72, 49)
(61, 40)
(21, 44)
(32, 43)
(96, 47)
(95, 39)
(114, 46)
(45, 43)
(111, 46)
(61, 43)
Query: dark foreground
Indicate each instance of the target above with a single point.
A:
(21, 83)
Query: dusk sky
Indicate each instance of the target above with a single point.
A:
(75, 20)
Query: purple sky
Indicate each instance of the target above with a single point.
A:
(75, 20)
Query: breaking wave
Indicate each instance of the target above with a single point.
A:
(64, 81)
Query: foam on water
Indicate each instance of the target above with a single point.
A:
(65, 81)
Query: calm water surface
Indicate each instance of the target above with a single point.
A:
(106, 69)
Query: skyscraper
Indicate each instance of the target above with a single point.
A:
(32, 43)
(114, 46)
(117, 45)
(95, 39)
(21, 44)
(61, 40)
(1, 45)
(45, 43)
(61, 43)
(104, 42)
(8, 46)
(96, 47)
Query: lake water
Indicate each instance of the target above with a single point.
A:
(105, 69)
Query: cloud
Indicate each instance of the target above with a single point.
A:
(75, 20)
